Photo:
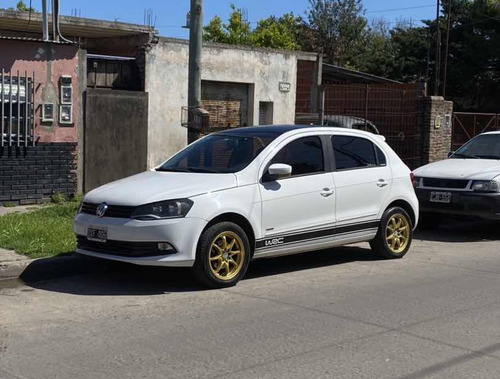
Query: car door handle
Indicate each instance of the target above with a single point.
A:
(326, 192)
(382, 183)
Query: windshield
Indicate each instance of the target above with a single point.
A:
(219, 153)
(483, 147)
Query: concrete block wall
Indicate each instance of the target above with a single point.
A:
(30, 175)
(436, 131)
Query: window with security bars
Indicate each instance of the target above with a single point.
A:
(16, 109)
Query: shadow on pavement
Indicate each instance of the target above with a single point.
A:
(97, 277)
(461, 230)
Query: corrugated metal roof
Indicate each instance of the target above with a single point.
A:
(70, 26)
(332, 72)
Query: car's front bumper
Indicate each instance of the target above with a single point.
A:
(483, 205)
(127, 234)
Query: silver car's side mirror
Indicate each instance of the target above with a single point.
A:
(278, 171)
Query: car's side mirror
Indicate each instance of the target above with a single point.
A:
(278, 171)
(450, 153)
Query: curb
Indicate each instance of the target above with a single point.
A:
(41, 269)
(14, 269)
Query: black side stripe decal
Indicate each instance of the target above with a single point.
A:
(291, 238)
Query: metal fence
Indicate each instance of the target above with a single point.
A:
(17, 105)
(467, 125)
(397, 111)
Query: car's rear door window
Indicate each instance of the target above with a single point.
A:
(353, 152)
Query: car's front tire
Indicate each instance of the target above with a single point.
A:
(222, 256)
(394, 235)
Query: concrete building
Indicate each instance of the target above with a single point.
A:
(240, 86)
(129, 98)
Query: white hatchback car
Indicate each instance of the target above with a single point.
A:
(254, 192)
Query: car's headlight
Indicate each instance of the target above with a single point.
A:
(80, 207)
(163, 209)
(485, 186)
(417, 181)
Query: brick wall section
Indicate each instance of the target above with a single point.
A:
(437, 141)
(305, 73)
(30, 175)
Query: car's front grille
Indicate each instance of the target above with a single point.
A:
(119, 211)
(445, 183)
(122, 248)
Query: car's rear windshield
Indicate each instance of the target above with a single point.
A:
(219, 153)
(486, 146)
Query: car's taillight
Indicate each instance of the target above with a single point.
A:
(412, 179)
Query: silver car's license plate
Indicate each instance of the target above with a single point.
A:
(440, 197)
(97, 233)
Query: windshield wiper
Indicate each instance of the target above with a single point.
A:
(172, 169)
(188, 169)
(488, 156)
(202, 170)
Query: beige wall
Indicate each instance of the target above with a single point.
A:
(167, 83)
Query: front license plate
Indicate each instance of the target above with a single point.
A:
(97, 233)
(441, 197)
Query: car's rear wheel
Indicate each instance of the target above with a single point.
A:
(394, 235)
(223, 255)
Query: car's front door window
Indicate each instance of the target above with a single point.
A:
(304, 200)
(304, 155)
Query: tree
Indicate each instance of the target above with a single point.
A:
(273, 32)
(236, 31)
(411, 49)
(375, 52)
(278, 33)
(21, 6)
(474, 55)
(214, 31)
(335, 29)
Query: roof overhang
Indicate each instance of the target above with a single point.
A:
(340, 74)
(21, 21)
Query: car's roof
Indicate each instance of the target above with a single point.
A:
(274, 129)
(282, 129)
(492, 132)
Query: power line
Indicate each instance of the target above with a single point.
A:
(402, 9)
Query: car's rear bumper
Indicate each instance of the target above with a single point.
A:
(483, 205)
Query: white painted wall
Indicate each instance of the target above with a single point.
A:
(167, 83)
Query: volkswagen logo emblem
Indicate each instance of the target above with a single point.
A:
(101, 210)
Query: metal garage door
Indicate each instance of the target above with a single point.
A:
(226, 102)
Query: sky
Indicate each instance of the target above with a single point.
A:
(171, 14)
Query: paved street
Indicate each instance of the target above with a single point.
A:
(331, 314)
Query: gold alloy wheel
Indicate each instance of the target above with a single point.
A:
(227, 254)
(397, 233)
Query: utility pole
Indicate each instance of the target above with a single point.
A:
(437, 65)
(194, 76)
(45, 21)
(448, 27)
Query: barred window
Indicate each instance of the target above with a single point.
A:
(16, 109)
